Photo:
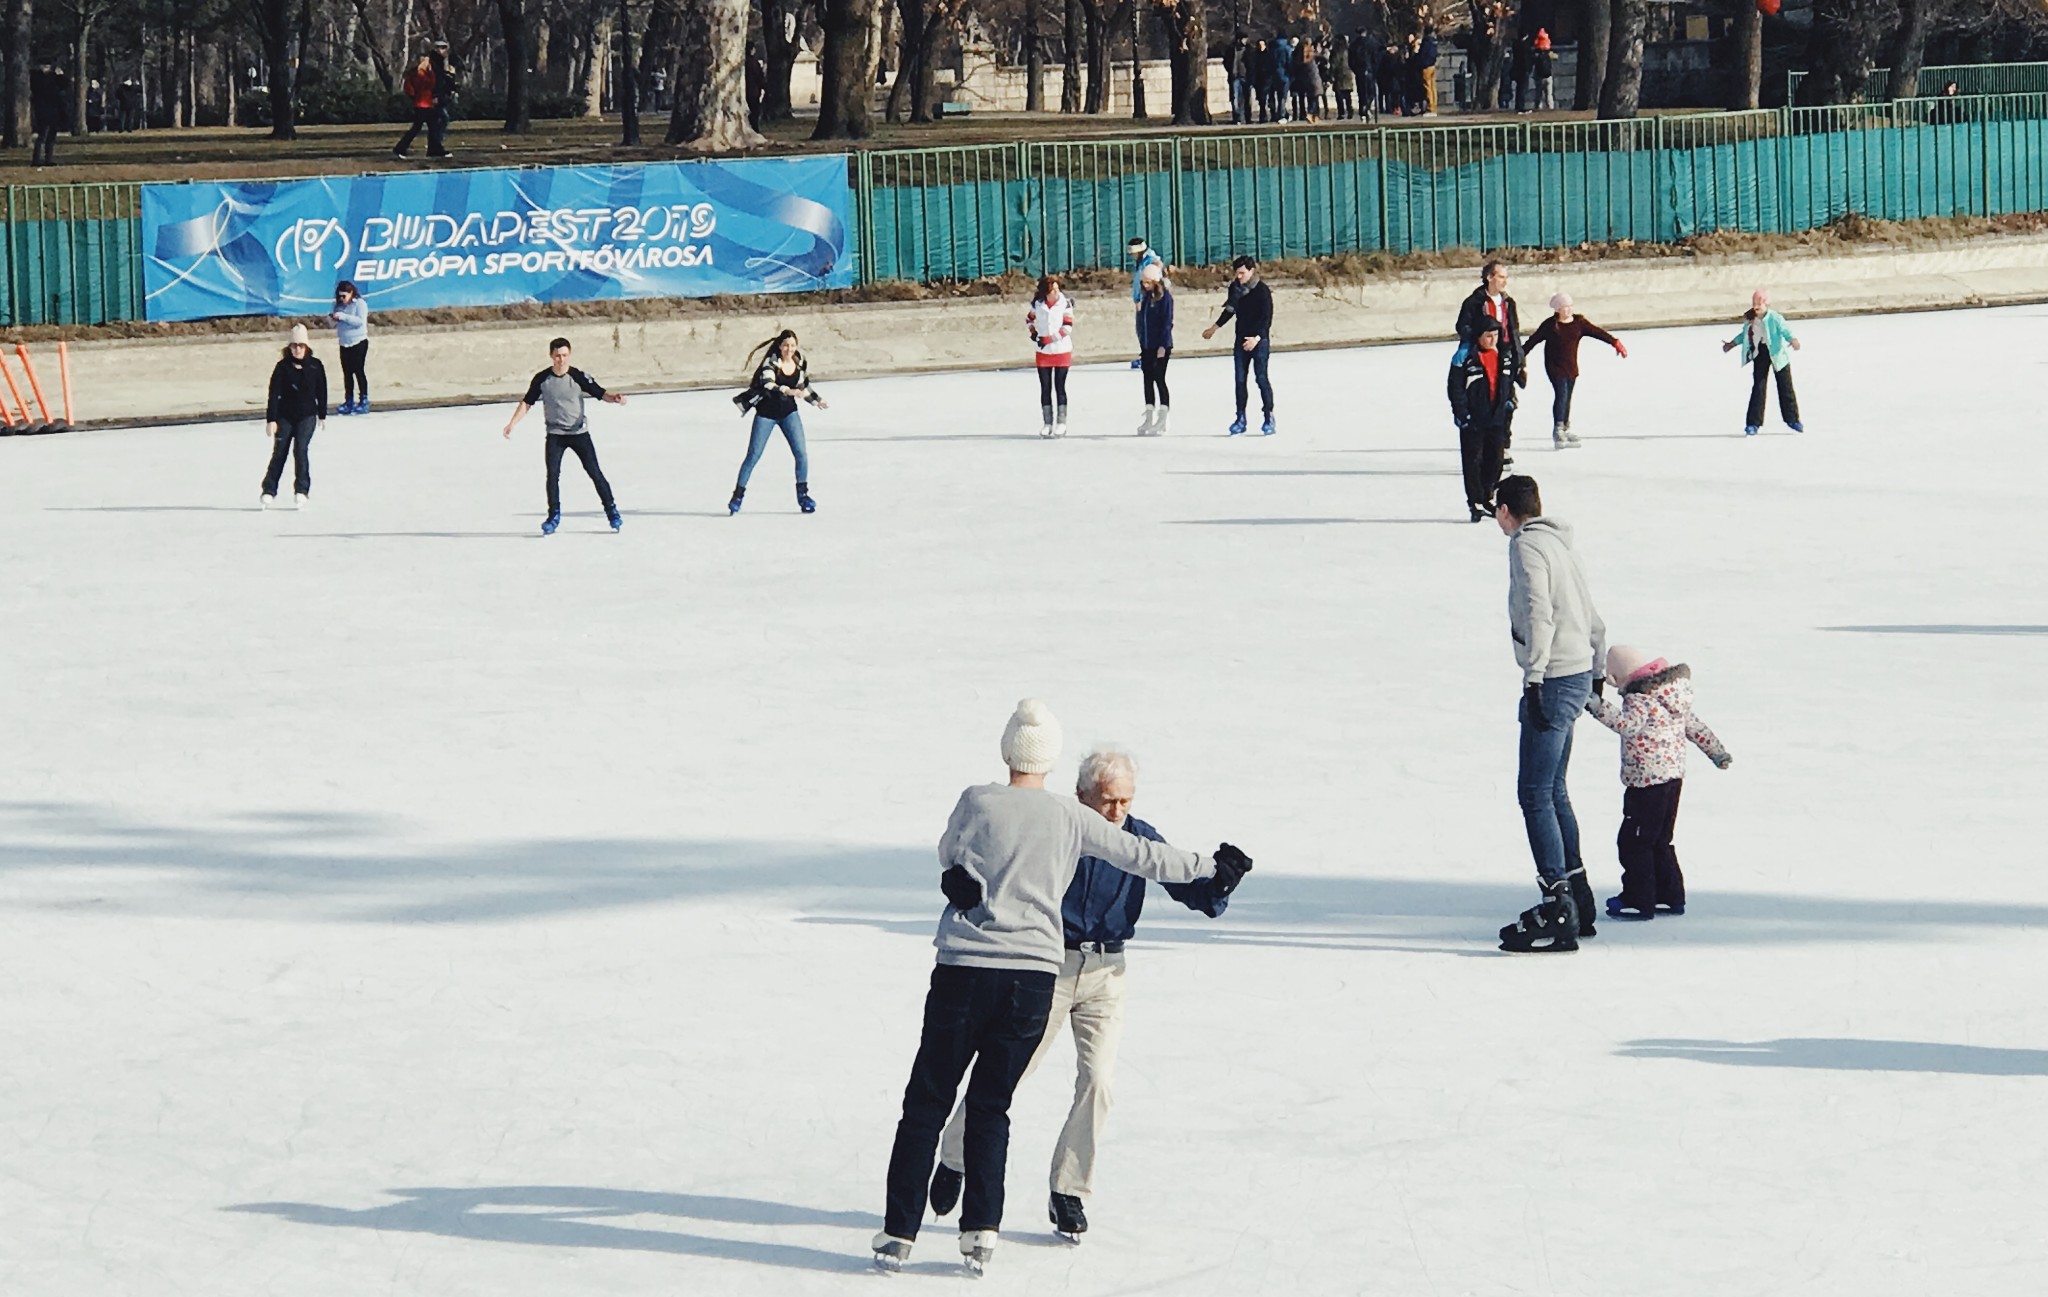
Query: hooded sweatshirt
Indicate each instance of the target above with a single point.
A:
(1557, 630)
(1655, 722)
(1022, 845)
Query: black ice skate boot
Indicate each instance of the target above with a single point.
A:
(1067, 1217)
(1583, 902)
(1551, 926)
(945, 1190)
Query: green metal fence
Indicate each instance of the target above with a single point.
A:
(1970, 79)
(73, 254)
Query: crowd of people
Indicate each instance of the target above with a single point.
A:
(1320, 75)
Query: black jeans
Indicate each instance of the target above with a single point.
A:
(1155, 377)
(295, 438)
(46, 142)
(586, 453)
(422, 118)
(994, 1018)
(1256, 361)
(1649, 863)
(1480, 449)
(1788, 400)
(352, 375)
(1052, 379)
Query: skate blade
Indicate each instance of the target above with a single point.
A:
(886, 1264)
(1065, 1237)
(973, 1267)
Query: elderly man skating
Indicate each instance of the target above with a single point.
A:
(1099, 914)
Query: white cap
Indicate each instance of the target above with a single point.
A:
(1561, 302)
(1152, 273)
(1031, 741)
(299, 338)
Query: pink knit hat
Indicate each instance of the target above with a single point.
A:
(1626, 664)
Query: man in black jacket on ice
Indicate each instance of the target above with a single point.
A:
(1482, 391)
(1251, 304)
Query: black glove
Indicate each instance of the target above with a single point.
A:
(1599, 684)
(1532, 705)
(962, 889)
(1231, 867)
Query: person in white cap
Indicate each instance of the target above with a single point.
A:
(1008, 855)
(297, 408)
(1562, 333)
(1143, 258)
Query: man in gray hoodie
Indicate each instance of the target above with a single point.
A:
(1559, 641)
(1008, 853)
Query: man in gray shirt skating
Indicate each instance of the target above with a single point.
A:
(559, 391)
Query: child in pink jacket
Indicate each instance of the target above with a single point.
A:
(1655, 721)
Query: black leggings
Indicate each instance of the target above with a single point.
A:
(1051, 379)
(1155, 377)
(352, 375)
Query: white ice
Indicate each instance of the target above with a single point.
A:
(393, 901)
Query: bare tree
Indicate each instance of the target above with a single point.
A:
(781, 25)
(84, 15)
(274, 28)
(1621, 94)
(1137, 59)
(1595, 25)
(20, 21)
(627, 92)
(924, 22)
(1034, 58)
(514, 25)
(1908, 53)
(1187, 28)
(846, 99)
(1746, 41)
(1843, 47)
(710, 112)
(1070, 71)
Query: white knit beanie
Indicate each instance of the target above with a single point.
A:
(1561, 301)
(1623, 661)
(299, 338)
(1031, 741)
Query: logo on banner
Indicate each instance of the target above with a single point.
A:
(307, 243)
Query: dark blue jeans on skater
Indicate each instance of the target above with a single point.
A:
(994, 1019)
(1561, 399)
(1255, 361)
(295, 438)
(586, 454)
(764, 429)
(1546, 752)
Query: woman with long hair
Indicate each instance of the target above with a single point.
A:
(780, 381)
(296, 409)
(1155, 339)
(1050, 322)
(351, 316)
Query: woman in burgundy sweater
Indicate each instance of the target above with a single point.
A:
(1563, 331)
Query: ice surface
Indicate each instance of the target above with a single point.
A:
(395, 901)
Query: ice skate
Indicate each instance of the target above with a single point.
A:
(890, 1252)
(977, 1249)
(1796, 427)
(363, 406)
(1046, 432)
(1561, 437)
(1551, 926)
(1145, 423)
(611, 515)
(300, 500)
(1507, 465)
(739, 495)
(1159, 424)
(1672, 908)
(266, 502)
(1751, 429)
(1479, 514)
(803, 498)
(1582, 902)
(548, 524)
(1237, 425)
(945, 1190)
(1617, 908)
(1068, 1219)
(1268, 428)
(1059, 424)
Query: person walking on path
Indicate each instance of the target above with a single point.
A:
(1655, 721)
(1142, 257)
(421, 93)
(779, 383)
(1558, 638)
(559, 391)
(351, 316)
(49, 104)
(1482, 390)
(1490, 301)
(295, 410)
(1767, 346)
(1250, 303)
(1050, 324)
(1560, 335)
(444, 102)
(1099, 915)
(1008, 855)
(1155, 342)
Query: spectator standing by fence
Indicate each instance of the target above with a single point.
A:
(1240, 80)
(1343, 79)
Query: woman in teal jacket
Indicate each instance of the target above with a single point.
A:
(1767, 346)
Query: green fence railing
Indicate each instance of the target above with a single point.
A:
(73, 253)
(1969, 79)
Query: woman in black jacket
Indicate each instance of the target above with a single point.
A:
(779, 383)
(297, 408)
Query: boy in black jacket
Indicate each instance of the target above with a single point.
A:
(1482, 391)
(1251, 304)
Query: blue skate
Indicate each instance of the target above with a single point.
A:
(1237, 426)
(547, 528)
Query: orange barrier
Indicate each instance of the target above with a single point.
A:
(28, 367)
(15, 392)
(64, 370)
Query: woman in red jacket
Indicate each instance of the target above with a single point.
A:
(419, 92)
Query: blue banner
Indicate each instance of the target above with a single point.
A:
(486, 238)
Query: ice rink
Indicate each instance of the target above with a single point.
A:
(395, 901)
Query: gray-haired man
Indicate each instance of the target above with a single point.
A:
(1100, 913)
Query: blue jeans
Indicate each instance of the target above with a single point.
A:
(792, 432)
(1561, 399)
(1546, 752)
(1254, 360)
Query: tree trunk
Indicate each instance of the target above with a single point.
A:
(1842, 49)
(14, 123)
(1137, 60)
(593, 68)
(629, 81)
(512, 20)
(1621, 96)
(912, 27)
(847, 68)
(779, 45)
(1746, 86)
(1187, 30)
(710, 113)
(1596, 21)
(1034, 59)
(1909, 46)
(1070, 72)
(81, 83)
(1097, 36)
(274, 25)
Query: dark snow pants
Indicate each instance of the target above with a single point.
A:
(1481, 448)
(1788, 400)
(1649, 863)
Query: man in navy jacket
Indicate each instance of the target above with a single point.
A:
(1099, 913)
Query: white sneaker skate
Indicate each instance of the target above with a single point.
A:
(266, 502)
(299, 501)
(1145, 428)
(1159, 424)
(977, 1249)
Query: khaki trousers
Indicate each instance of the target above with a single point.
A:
(1090, 993)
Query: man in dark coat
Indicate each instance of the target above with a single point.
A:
(444, 101)
(1482, 392)
(1490, 301)
(49, 106)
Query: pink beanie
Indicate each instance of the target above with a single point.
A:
(1626, 664)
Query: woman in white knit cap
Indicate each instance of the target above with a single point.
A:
(1008, 853)
(296, 408)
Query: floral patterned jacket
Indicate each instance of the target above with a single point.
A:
(1655, 722)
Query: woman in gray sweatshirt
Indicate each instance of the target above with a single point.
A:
(1008, 853)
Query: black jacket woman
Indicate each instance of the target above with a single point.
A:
(296, 409)
(780, 381)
